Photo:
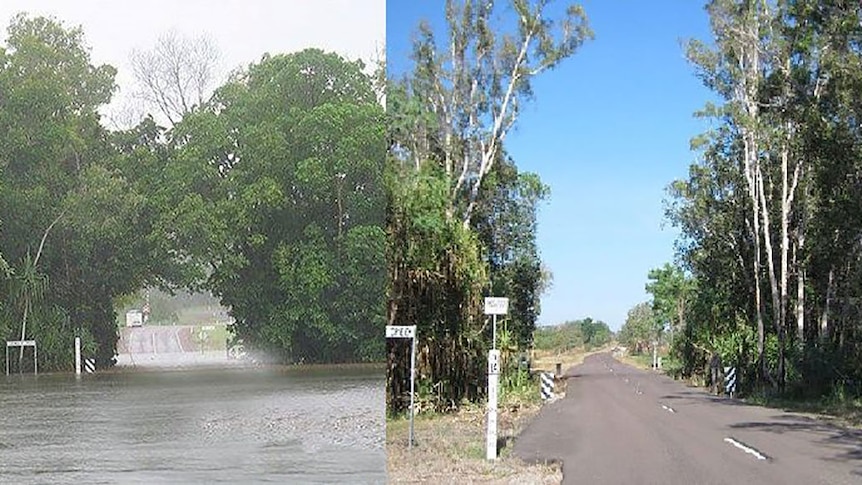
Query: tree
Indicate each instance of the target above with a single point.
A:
(671, 290)
(281, 205)
(762, 205)
(506, 222)
(52, 138)
(176, 75)
(448, 120)
(641, 328)
(468, 95)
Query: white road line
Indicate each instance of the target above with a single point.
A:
(747, 449)
(668, 408)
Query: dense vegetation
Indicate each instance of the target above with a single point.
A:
(462, 218)
(269, 194)
(770, 260)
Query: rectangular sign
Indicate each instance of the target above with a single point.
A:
(496, 306)
(493, 362)
(20, 343)
(396, 331)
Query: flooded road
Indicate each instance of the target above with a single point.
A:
(289, 425)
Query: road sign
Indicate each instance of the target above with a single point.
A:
(396, 331)
(496, 306)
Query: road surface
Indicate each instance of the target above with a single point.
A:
(618, 424)
(164, 346)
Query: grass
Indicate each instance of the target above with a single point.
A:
(640, 361)
(450, 448)
(215, 338)
(838, 410)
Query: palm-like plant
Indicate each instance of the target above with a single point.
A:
(28, 287)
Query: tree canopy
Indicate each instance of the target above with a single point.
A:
(269, 193)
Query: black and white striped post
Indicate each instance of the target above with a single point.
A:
(730, 381)
(547, 385)
(90, 365)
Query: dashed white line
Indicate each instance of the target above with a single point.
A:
(747, 449)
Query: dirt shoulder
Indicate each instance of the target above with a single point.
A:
(451, 448)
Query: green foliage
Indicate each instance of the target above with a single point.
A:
(462, 219)
(296, 161)
(505, 220)
(787, 74)
(641, 329)
(270, 195)
(558, 338)
(586, 333)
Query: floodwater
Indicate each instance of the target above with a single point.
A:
(239, 425)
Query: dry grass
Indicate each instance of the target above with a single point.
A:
(451, 448)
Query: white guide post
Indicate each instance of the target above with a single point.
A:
(493, 306)
(493, 382)
(78, 356)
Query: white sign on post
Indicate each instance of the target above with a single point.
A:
(493, 381)
(496, 306)
(395, 331)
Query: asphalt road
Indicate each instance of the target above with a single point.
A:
(618, 424)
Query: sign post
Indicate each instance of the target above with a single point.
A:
(493, 382)
(493, 307)
(395, 331)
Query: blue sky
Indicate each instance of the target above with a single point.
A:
(607, 131)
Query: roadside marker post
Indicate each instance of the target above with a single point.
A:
(547, 385)
(77, 356)
(493, 385)
(396, 331)
(730, 381)
(493, 306)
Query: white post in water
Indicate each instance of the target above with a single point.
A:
(394, 331)
(78, 356)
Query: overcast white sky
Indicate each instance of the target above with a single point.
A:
(243, 30)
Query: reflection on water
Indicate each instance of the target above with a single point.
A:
(323, 425)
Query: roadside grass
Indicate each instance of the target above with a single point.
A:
(835, 409)
(640, 361)
(215, 336)
(450, 448)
